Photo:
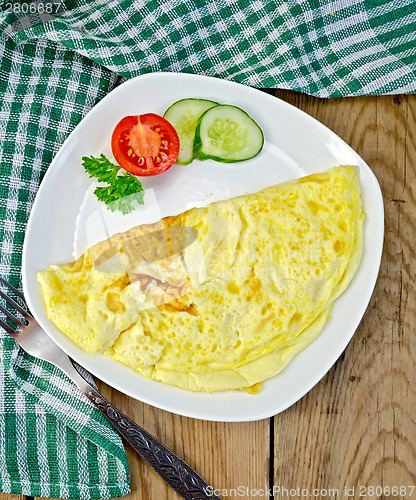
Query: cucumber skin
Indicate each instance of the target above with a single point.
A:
(185, 162)
(189, 99)
(198, 154)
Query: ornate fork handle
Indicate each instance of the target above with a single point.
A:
(179, 475)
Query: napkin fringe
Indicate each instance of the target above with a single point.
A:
(65, 490)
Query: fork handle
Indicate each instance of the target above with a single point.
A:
(172, 469)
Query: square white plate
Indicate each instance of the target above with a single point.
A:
(66, 219)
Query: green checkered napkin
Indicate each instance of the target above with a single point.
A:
(53, 442)
(55, 68)
(320, 47)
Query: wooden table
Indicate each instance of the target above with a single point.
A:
(356, 428)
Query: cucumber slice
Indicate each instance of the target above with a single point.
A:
(184, 116)
(226, 133)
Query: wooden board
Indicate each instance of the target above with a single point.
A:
(356, 428)
(224, 454)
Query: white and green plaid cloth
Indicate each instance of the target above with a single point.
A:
(54, 68)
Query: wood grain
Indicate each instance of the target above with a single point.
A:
(226, 455)
(357, 427)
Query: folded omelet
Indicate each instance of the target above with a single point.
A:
(220, 297)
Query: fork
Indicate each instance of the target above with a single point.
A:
(177, 473)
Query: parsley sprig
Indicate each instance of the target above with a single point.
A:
(122, 190)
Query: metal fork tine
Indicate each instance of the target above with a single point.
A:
(15, 320)
(14, 304)
(12, 288)
(8, 328)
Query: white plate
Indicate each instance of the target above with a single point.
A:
(66, 219)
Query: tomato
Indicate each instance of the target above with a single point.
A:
(145, 144)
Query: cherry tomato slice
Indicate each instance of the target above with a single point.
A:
(145, 144)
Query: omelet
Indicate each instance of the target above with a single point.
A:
(220, 297)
